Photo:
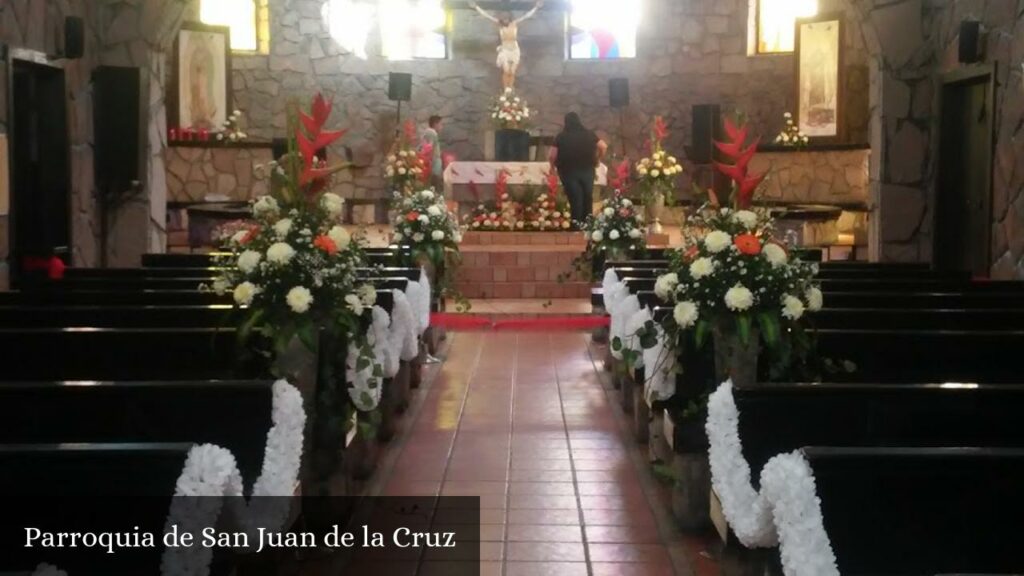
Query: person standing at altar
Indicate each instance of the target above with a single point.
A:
(575, 155)
(431, 137)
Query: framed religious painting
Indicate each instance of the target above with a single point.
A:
(819, 77)
(199, 92)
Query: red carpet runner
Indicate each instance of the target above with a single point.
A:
(473, 322)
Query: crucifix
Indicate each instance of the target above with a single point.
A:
(508, 31)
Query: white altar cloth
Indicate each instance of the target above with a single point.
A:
(529, 173)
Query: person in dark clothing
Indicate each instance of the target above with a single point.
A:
(576, 154)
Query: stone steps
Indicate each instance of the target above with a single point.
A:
(521, 265)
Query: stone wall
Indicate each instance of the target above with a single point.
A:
(195, 173)
(38, 25)
(689, 53)
(1003, 23)
(837, 177)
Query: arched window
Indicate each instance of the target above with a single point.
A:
(776, 20)
(248, 19)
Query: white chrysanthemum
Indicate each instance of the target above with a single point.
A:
(354, 304)
(655, 173)
(283, 227)
(702, 267)
(392, 158)
(792, 307)
(402, 171)
(745, 217)
(613, 235)
(280, 253)
(627, 202)
(665, 285)
(566, 225)
(332, 203)
(685, 314)
(609, 211)
(597, 236)
(424, 218)
(456, 237)
(341, 237)
(299, 299)
(775, 254)
(417, 237)
(437, 235)
(248, 260)
(739, 298)
(244, 293)
(815, 299)
(427, 194)
(716, 241)
(265, 205)
(635, 233)
(433, 210)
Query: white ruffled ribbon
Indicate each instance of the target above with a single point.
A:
(786, 512)
(620, 313)
(633, 324)
(419, 295)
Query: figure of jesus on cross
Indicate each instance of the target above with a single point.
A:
(508, 50)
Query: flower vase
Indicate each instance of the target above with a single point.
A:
(653, 208)
(733, 358)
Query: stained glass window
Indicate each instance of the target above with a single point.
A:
(248, 20)
(603, 29)
(776, 21)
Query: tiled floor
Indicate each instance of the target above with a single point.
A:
(522, 421)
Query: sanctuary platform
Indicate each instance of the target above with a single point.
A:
(521, 265)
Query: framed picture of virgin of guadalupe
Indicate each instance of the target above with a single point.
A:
(200, 86)
(819, 76)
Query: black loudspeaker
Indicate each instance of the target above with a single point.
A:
(970, 42)
(74, 37)
(118, 111)
(618, 92)
(707, 127)
(399, 86)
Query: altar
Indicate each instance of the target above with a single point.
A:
(460, 178)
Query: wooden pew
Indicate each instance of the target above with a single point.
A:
(779, 418)
(51, 354)
(921, 511)
(87, 487)
(139, 412)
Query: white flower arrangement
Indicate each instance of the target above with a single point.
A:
(509, 110)
(791, 134)
(617, 227)
(657, 173)
(786, 512)
(423, 222)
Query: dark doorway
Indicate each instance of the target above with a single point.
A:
(964, 193)
(40, 168)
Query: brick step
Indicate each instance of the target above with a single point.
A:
(476, 238)
(488, 290)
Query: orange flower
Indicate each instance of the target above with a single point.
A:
(412, 216)
(748, 244)
(691, 253)
(326, 244)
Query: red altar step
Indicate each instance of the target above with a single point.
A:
(521, 265)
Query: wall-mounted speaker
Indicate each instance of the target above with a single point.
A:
(970, 42)
(399, 86)
(618, 92)
(707, 127)
(74, 37)
(118, 111)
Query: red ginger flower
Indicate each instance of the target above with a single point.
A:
(748, 244)
(312, 137)
(738, 171)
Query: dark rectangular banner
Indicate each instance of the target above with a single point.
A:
(383, 536)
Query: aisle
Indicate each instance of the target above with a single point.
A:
(521, 420)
